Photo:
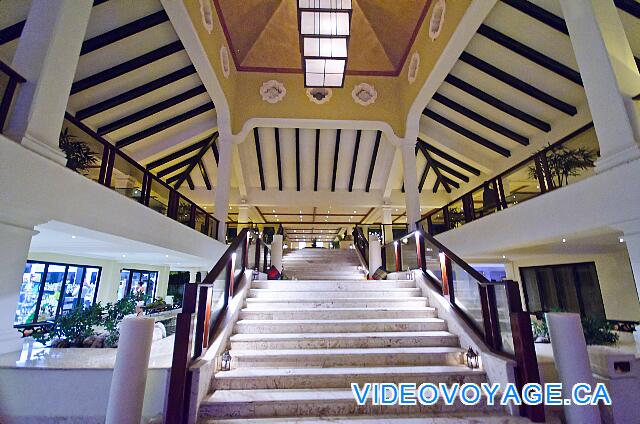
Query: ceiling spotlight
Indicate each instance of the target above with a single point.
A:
(124, 256)
(273, 210)
(504, 257)
(621, 240)
(73, 237)
(564, 240)
(166, 256)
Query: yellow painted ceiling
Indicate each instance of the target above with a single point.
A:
(263, 34)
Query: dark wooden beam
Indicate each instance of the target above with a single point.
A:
(439, 177)
(205, 176)
(123, 32)
(449, 158)
(423, 178)
(173, 179)
(297, 159)
(465, 132)
(451, 182)
(448, 169)
(336, 152)
(315, 178)
(173, 168)
(196, 159)
(540, 14)
(256, 137)
(164, 125)
(126, 67)
(192, 186)
(278, 158)
(135, 92)
(151, 110)
(632, 7)
(374, 158)
(481, 119)
(216, 153)
(175, 155)
(497, 103)
(530, 54)
(518, 84)
(436, 185)
(354, 162)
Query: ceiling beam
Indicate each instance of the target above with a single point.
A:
(196, 159)
(467, 133)
(451, 182)
(374, 157)
(497, 103)
(297, 159)
(192, 186)
(439, 177)
(354, 162)
(530, 54)
(540, 14)
(256, 137)
(216, 153)
(205, 176)
(423, 178)
(135, 92)
(151, 110)
(164, 125)
(481, 119)
(632, 7)
(448, 169)
(173, 168)
(317, 159)
(336, 152)
(449, 158)
(436, 185)
(278, 158)
(175, 155)
(517, 84)
(123, 32)
(126, 67)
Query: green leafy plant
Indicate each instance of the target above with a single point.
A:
(74, 326)
(539, 328)
(79, 155)
(114, 314)
(565, 162)
(598, 331)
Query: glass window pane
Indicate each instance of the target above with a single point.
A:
(87, 167)
(159, 197)
(456, 214)
(126, 178)
(71, 289)
(437, 223)
(29, 291)
(521, 184)
(124, 280)
(565, 282)
(51, 292)
(184, 211)
(530, 281)
(589, 290)
(89, 286)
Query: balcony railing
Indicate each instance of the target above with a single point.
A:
(551, 168)
(9, 82)
(114, 169)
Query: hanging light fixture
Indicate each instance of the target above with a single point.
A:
(325, 27)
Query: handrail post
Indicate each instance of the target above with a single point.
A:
(257, 254)
(490, 316)
(180, 375)
(398, 255)
(447, 278)
(524, 349)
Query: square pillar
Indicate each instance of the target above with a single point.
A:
(411, 194)
(609, 75)
(223, 185)
(387, 231)
(243, 217)
(47, 56)
(14, 250)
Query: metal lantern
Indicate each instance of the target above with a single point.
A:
(409, 274)
(226, 361)
(256, 273)
(472, 358)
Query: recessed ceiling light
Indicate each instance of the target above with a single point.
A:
(621, 240)
(273, 210)
(73, 236)
(355, 211)
(166, 256)
(564, 240)
(124, 256)
(504, 257)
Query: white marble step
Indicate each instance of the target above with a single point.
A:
(320, 276)
(354, 357)
(342, 340)
(356, 302)
(323, 378)
(451, 418)
(339, 325)
(338, 313)
(339, 294)
(331, 285)
(313, 402)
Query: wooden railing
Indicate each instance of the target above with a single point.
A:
(204, 307)
(13, 80)
(491, 309)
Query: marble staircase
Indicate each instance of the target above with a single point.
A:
(298, 344)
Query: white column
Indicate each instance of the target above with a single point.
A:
(223, 185)
(47, 56)
(243, 216)
(14, 249)
(387, 231)
(276, 252)
(375, 254)
(572, 363)
(609, 74)
(632, 240)
(411, 194)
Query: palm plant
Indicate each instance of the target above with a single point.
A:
(79, 155)
(565, 162)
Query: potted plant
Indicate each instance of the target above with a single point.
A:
(79, 155)
(565, 162)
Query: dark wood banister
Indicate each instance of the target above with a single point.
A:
(222, 262)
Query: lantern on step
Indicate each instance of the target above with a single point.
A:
(256, 273)
(226, 361)
(472, 358)
(409, 274)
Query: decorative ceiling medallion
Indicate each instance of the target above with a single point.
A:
(207, 15)
(272, 91)
(364, 94)
(319, 95)
(414, 65)
(437, 19)
(224, 61)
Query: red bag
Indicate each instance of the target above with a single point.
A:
(273, 273)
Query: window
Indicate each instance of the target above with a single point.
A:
(140, 283)
(567, 287)
(52, 289)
